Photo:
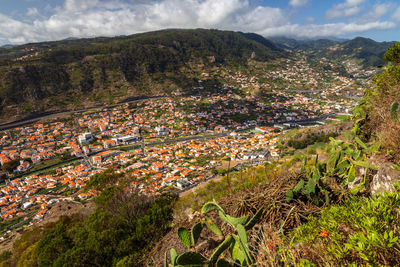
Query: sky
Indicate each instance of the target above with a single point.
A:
(23, 21)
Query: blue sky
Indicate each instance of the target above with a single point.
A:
(23, 21)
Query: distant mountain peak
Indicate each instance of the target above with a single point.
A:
(7, 46)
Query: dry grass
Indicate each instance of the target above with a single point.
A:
(380, 123)
(279, 216)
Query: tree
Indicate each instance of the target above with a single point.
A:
(10, 166)
(393, 54)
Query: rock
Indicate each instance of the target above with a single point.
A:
(383, 180)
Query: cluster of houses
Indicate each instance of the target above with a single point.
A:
(96, 137)
(28, 195)
(173, 164)
(177, 164)
(99, 133)
(33, 144)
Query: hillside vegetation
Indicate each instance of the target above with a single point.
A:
(74, 73)
(377, 113)
(368, 52)
(335, 204)
(339, 206)
(71, 74)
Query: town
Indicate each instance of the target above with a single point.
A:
(174, 142)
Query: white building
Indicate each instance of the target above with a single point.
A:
(85, 138)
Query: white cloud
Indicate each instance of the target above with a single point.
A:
(89, 18)
(298, 3)
(327, 30)
(310, 20)
(346, 9)
(396, 15)
(86, 18)
(353, 2)
(377, 12)
(32, 12)
(79, 5)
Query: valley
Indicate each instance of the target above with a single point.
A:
(199, 114)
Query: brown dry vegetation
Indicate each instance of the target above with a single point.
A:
(372, 116)
(279, 216)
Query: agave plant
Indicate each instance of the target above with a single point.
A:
(237, 243)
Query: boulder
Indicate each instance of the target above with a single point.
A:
(383, 180)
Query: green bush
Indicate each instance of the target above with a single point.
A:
(310, 139)
(364, 231)
(103, 179)
(120, 231)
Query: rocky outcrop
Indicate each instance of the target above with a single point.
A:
(383, 180)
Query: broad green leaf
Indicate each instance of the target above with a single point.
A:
(196, 231)
(394, 111)
(210, 206)
(375, 148)
(352, 173)
(174, 255)
(365, 165)
(316, 175)
(299, 186)
(232, 220)
(310, 187)
(184, 236)
(289, 194)
(191, 258)
(237, 254)
(244, 249)
(343, 165)
(242, 235)
(347, 135)
(235, 221)
(213, 227)
(360, 143)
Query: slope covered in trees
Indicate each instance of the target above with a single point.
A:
(118, 233)
(367, 51)
(58, 75)
(316, 207)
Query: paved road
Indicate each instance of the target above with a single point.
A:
(36, 118)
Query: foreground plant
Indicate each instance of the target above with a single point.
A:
(237, 243)
(344, 158)
(363, 231)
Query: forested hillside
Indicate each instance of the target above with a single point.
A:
(75, 73)
(368, 52)
(321, 203)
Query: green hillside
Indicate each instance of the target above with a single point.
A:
(74, 73)
(367, 51)
(331, 199)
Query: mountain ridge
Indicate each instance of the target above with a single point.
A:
(77, 73)
(47, 75)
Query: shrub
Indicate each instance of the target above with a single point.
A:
(364, 231)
